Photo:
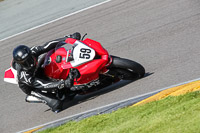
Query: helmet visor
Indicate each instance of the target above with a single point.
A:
(29, 63)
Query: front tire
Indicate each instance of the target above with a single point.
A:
(127, 69)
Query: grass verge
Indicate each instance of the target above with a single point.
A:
(180, 114)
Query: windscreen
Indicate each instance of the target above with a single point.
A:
(61, 50)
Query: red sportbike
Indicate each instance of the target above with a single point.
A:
(97, 68)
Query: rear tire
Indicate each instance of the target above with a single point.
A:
(127, 69)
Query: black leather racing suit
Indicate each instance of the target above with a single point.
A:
(29, 81)
(33, 82)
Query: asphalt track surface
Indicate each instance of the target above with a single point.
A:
(20, 15)
(163, 36)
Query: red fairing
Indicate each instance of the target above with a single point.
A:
(96, 46)
(100, 51)
(54, 70)
(89, 70)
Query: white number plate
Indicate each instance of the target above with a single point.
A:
(82, 54)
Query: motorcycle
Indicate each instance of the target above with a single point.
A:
(96, 67)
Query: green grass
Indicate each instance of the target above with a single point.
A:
(171, 115)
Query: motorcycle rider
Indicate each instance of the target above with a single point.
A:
(30, 78)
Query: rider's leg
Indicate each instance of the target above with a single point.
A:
(49, 99)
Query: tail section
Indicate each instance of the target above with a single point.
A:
(11, 76)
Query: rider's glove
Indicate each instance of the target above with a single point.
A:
(61, 84)
(76, 36)
(69, 83)
(75, 73)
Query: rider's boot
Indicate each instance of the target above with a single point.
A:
(52, 102)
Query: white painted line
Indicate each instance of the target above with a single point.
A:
(56, 20)
(122, 101)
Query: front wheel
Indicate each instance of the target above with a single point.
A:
(126, 69)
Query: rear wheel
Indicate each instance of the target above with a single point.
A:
(126, 69)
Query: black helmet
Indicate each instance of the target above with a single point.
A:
(22, 55)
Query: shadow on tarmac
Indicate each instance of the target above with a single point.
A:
(83, 98)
